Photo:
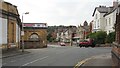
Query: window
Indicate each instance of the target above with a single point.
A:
(106, 22)
(109, 21)
(12, 28)
(38, 25)
(98, 24)
(95, 24)
(109, 31)
(96, 16)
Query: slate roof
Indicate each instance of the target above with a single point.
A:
(103, 9)
(110, 12)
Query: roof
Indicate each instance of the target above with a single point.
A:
(85, 23)
(102, 9)
(110, 12)
(86, 28)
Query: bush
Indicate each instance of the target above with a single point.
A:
(50, 38)
(99, 37)
(110, 37)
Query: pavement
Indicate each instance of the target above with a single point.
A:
(11, 53)
(99, 61)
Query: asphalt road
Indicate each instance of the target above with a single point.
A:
(54, 56)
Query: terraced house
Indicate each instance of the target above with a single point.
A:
(10, 24)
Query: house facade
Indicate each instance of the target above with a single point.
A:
(10, 25)
(110, 19)
(98, 18)
(66, 34)
(35, 35)
(104, 18)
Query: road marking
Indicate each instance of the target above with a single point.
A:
(85, 60)
(34, 61)
(82, 62)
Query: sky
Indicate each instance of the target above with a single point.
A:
(58, 12)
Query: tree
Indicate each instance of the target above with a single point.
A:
(49, 37)
(99, 37)
(91, 35)
(110, 37)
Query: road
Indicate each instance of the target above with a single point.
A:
(54, 56)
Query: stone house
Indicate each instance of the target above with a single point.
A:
(35, 35)
(10, 25)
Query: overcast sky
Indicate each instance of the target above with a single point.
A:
(58, 12)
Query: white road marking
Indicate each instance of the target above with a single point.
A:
(34, 61)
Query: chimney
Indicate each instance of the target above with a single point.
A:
(115, 4)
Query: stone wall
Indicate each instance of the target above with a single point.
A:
(10, 13)
(42, 41)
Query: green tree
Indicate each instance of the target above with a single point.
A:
(91, 35)
(49, 37)
(99, 37)
(110, 37)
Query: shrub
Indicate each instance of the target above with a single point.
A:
(99, 37)
(110, 37)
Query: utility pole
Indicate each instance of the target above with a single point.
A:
(22, 33)
(70, 29)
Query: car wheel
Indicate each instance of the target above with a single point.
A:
(80, 46)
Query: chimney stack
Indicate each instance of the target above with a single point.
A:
(115, 4)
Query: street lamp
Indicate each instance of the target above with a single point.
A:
(22, 33)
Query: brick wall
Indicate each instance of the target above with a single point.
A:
(116, 46)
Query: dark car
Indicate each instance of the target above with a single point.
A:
(86, 43)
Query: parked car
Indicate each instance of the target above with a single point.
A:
(86, 43)
(62, 44)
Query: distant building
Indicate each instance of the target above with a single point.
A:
(10, 26)
(65, 36)
(104, 18)
(84, 30)
(35, 35)
(64, 33)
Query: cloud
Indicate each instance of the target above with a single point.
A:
(58, 12)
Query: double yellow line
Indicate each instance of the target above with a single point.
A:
(82, 62)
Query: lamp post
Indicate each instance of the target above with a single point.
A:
(22, 33)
